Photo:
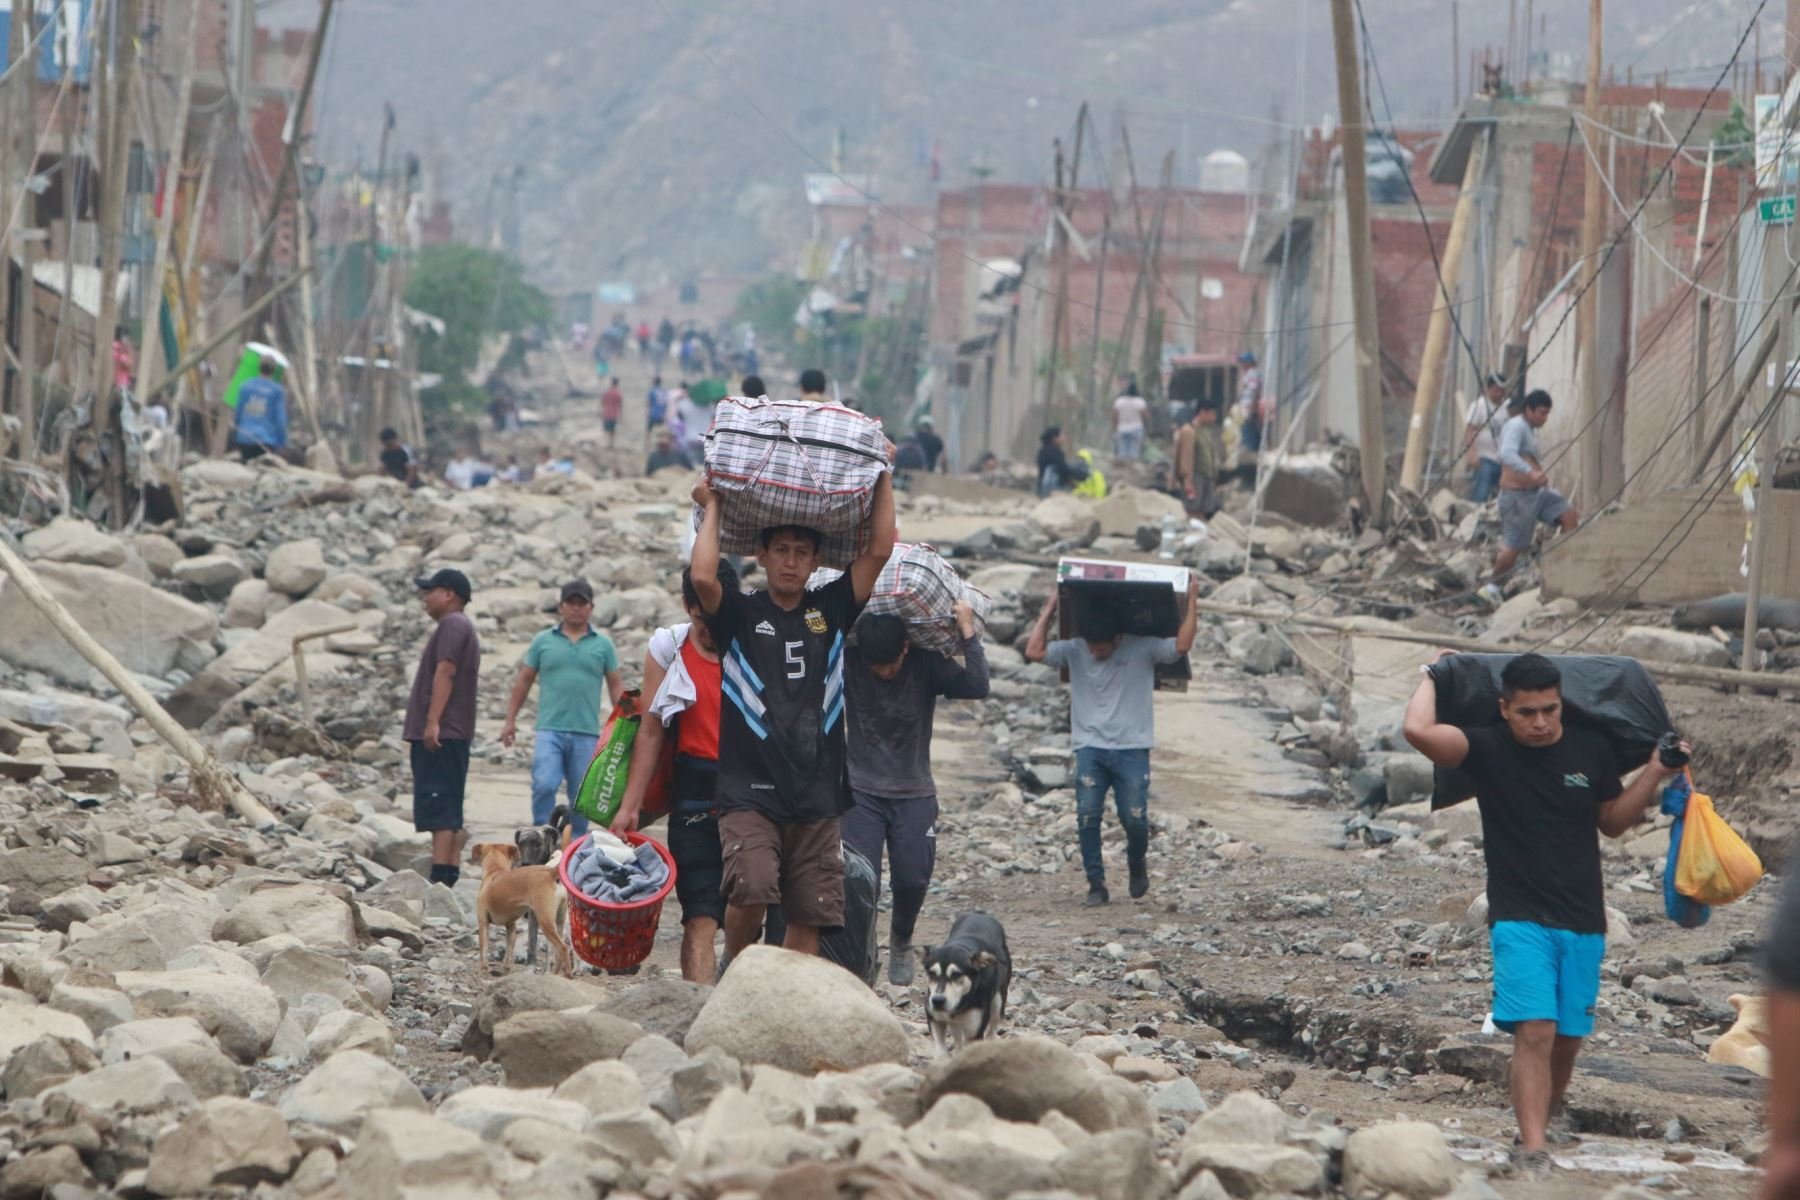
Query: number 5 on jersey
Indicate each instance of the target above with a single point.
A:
(796, 660)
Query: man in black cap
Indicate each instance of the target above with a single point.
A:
(440, 719)
(573, 659)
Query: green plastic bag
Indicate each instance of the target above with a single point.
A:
(603, 787)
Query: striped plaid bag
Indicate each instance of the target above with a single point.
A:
(781, 462)
(920, 588)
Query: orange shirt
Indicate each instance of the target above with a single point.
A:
(698, 729)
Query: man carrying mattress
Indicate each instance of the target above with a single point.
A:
(782, 781)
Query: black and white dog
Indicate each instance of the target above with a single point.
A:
(541, 846)
(967, 975)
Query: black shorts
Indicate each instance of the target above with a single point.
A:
(438, 780)
(699, 865)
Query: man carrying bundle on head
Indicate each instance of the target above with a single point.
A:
(782, 779)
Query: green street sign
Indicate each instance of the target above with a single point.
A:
(1776, 210)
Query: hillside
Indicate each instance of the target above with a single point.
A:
(669, 137)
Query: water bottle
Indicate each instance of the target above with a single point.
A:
(1168, 536)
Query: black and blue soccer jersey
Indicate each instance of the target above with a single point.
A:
(781, 719)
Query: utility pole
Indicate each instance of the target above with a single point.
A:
(1593, 215)
(1371, 434)
(1443, 316)
(291, 135)
(150, 363)
(1060, 223)
(122, 74)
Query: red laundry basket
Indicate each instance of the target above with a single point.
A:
(614, 936)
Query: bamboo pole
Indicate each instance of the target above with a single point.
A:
(151, 362)
(211, 781)
(1372, 627)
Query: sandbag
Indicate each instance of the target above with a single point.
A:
(1609, 693)
(852, 947)
(1727, 611)
(920, 588)
(781, 462)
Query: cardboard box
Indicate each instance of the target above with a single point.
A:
(1145, 599)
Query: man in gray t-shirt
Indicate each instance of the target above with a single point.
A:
(1112, 684)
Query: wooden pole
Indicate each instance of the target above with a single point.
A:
(211, 781)
(1702, 349)
(1722, 429)
(1374, 628)
(1769, 440)
(309, 336)
(1371, 433)
(1059, 275)
(151, 362)
(28, 438)
(123, 68)
(18, 41)
(1437, 332)
(292, 136)
(1593, 213)
(1093, 391)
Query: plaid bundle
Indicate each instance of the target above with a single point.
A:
(781, 462)
(920, 588)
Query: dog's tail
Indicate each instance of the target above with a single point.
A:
(559, 822)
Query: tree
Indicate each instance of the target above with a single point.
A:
(768, 305)
(477, 292)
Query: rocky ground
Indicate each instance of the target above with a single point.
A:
(191, 1006)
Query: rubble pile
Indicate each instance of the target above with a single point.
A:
(191, 1006)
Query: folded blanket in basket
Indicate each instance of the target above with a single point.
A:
(602, 878)
(781, 462)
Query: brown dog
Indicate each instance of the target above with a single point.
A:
(508, 892)
(1746, 1043)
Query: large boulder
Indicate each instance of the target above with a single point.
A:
(666, 1007)
(295, 972)
(22, 1024)
(134, 1039)
(138, 1085)
(543, 1048)
(519, 992)
(296, 568)
(1119, 1164)
(44, 1064)
(212, 575)
(1126, 509)
(489, 1110)
(241, 1013)
(147, 938)
(307, 911)
(32, 874)
(1404, 1158)
(797, 1012)
(72, 540)
(1022, 1078)
(405, 1155)
(268, 649)
(962, 1139)
(248, 605)
(1066, 517)
(149, 630)
(339, 1091)
(226, 1142)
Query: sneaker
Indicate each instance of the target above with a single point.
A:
(1140, 881)
(900, 964)
(1491, 594)
(1561, 1131)
(1097, 895)
(1529, 1163)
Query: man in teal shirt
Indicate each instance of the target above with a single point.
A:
(573, 659)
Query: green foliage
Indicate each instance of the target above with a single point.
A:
(769, 306)
(1736, 132)
(477, 292)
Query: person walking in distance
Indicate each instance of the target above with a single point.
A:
(573, 660)
(812, 387)
(1194, 474)
(1526, 497)
(893, 690)
(1544, 788)
(1129, 411)
(612, 404)
(440, 719)
(782, 782)
(682, 681)
(656, 404)
(1486, 418)
(261, 423)
(1112, 687)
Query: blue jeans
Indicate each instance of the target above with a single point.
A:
(1486, 480)
(559, 758)
(1127, 773)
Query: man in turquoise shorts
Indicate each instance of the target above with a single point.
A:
(1543, 789)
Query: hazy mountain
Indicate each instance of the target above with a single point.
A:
(653, 138)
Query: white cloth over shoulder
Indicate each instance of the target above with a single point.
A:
(677, 693)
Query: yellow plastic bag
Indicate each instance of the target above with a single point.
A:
(1715, 865)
